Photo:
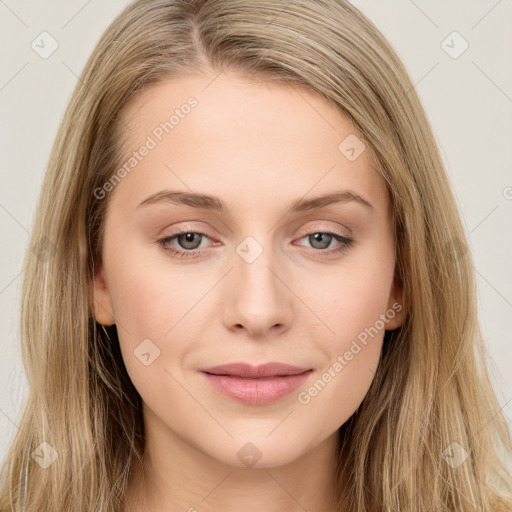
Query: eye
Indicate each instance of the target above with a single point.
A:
(321, 240)
(189, 241)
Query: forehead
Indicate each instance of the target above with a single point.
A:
(226, 133)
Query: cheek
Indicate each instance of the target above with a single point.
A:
(151, 324)
(350, 301)
(340, 387)
(147, 304)
(149, 307)
(353, 349)
(150, 294)
(350, 355)
(352, 309)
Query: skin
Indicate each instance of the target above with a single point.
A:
(258, 147)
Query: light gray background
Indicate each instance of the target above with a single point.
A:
(468, 100)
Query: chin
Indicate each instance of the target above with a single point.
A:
(259, 451)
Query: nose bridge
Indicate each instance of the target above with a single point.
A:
(253, 263)
(256, 297)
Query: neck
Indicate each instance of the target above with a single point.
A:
(176, 476)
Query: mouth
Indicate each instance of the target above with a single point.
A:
(245, 370)
(256, 385)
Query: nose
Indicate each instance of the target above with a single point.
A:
(257, 298)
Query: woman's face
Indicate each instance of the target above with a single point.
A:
(265, 274)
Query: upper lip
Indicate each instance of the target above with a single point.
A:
(248, 371)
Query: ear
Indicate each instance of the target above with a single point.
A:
(102, 302)
(397, 304)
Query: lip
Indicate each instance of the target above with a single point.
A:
(256, 385)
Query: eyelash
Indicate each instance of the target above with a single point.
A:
(346, 243)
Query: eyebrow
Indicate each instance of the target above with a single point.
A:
(207, 202)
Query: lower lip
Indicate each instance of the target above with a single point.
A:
(257, 391)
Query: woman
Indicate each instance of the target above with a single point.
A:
(248, 286)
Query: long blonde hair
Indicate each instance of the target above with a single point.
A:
(431, 402)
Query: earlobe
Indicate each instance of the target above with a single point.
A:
(396, 312)
(101, 300)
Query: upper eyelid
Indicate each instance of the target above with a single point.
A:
(305, 231)
(303, 234)
(313, 229)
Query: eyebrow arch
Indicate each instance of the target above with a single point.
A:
(207, 202)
